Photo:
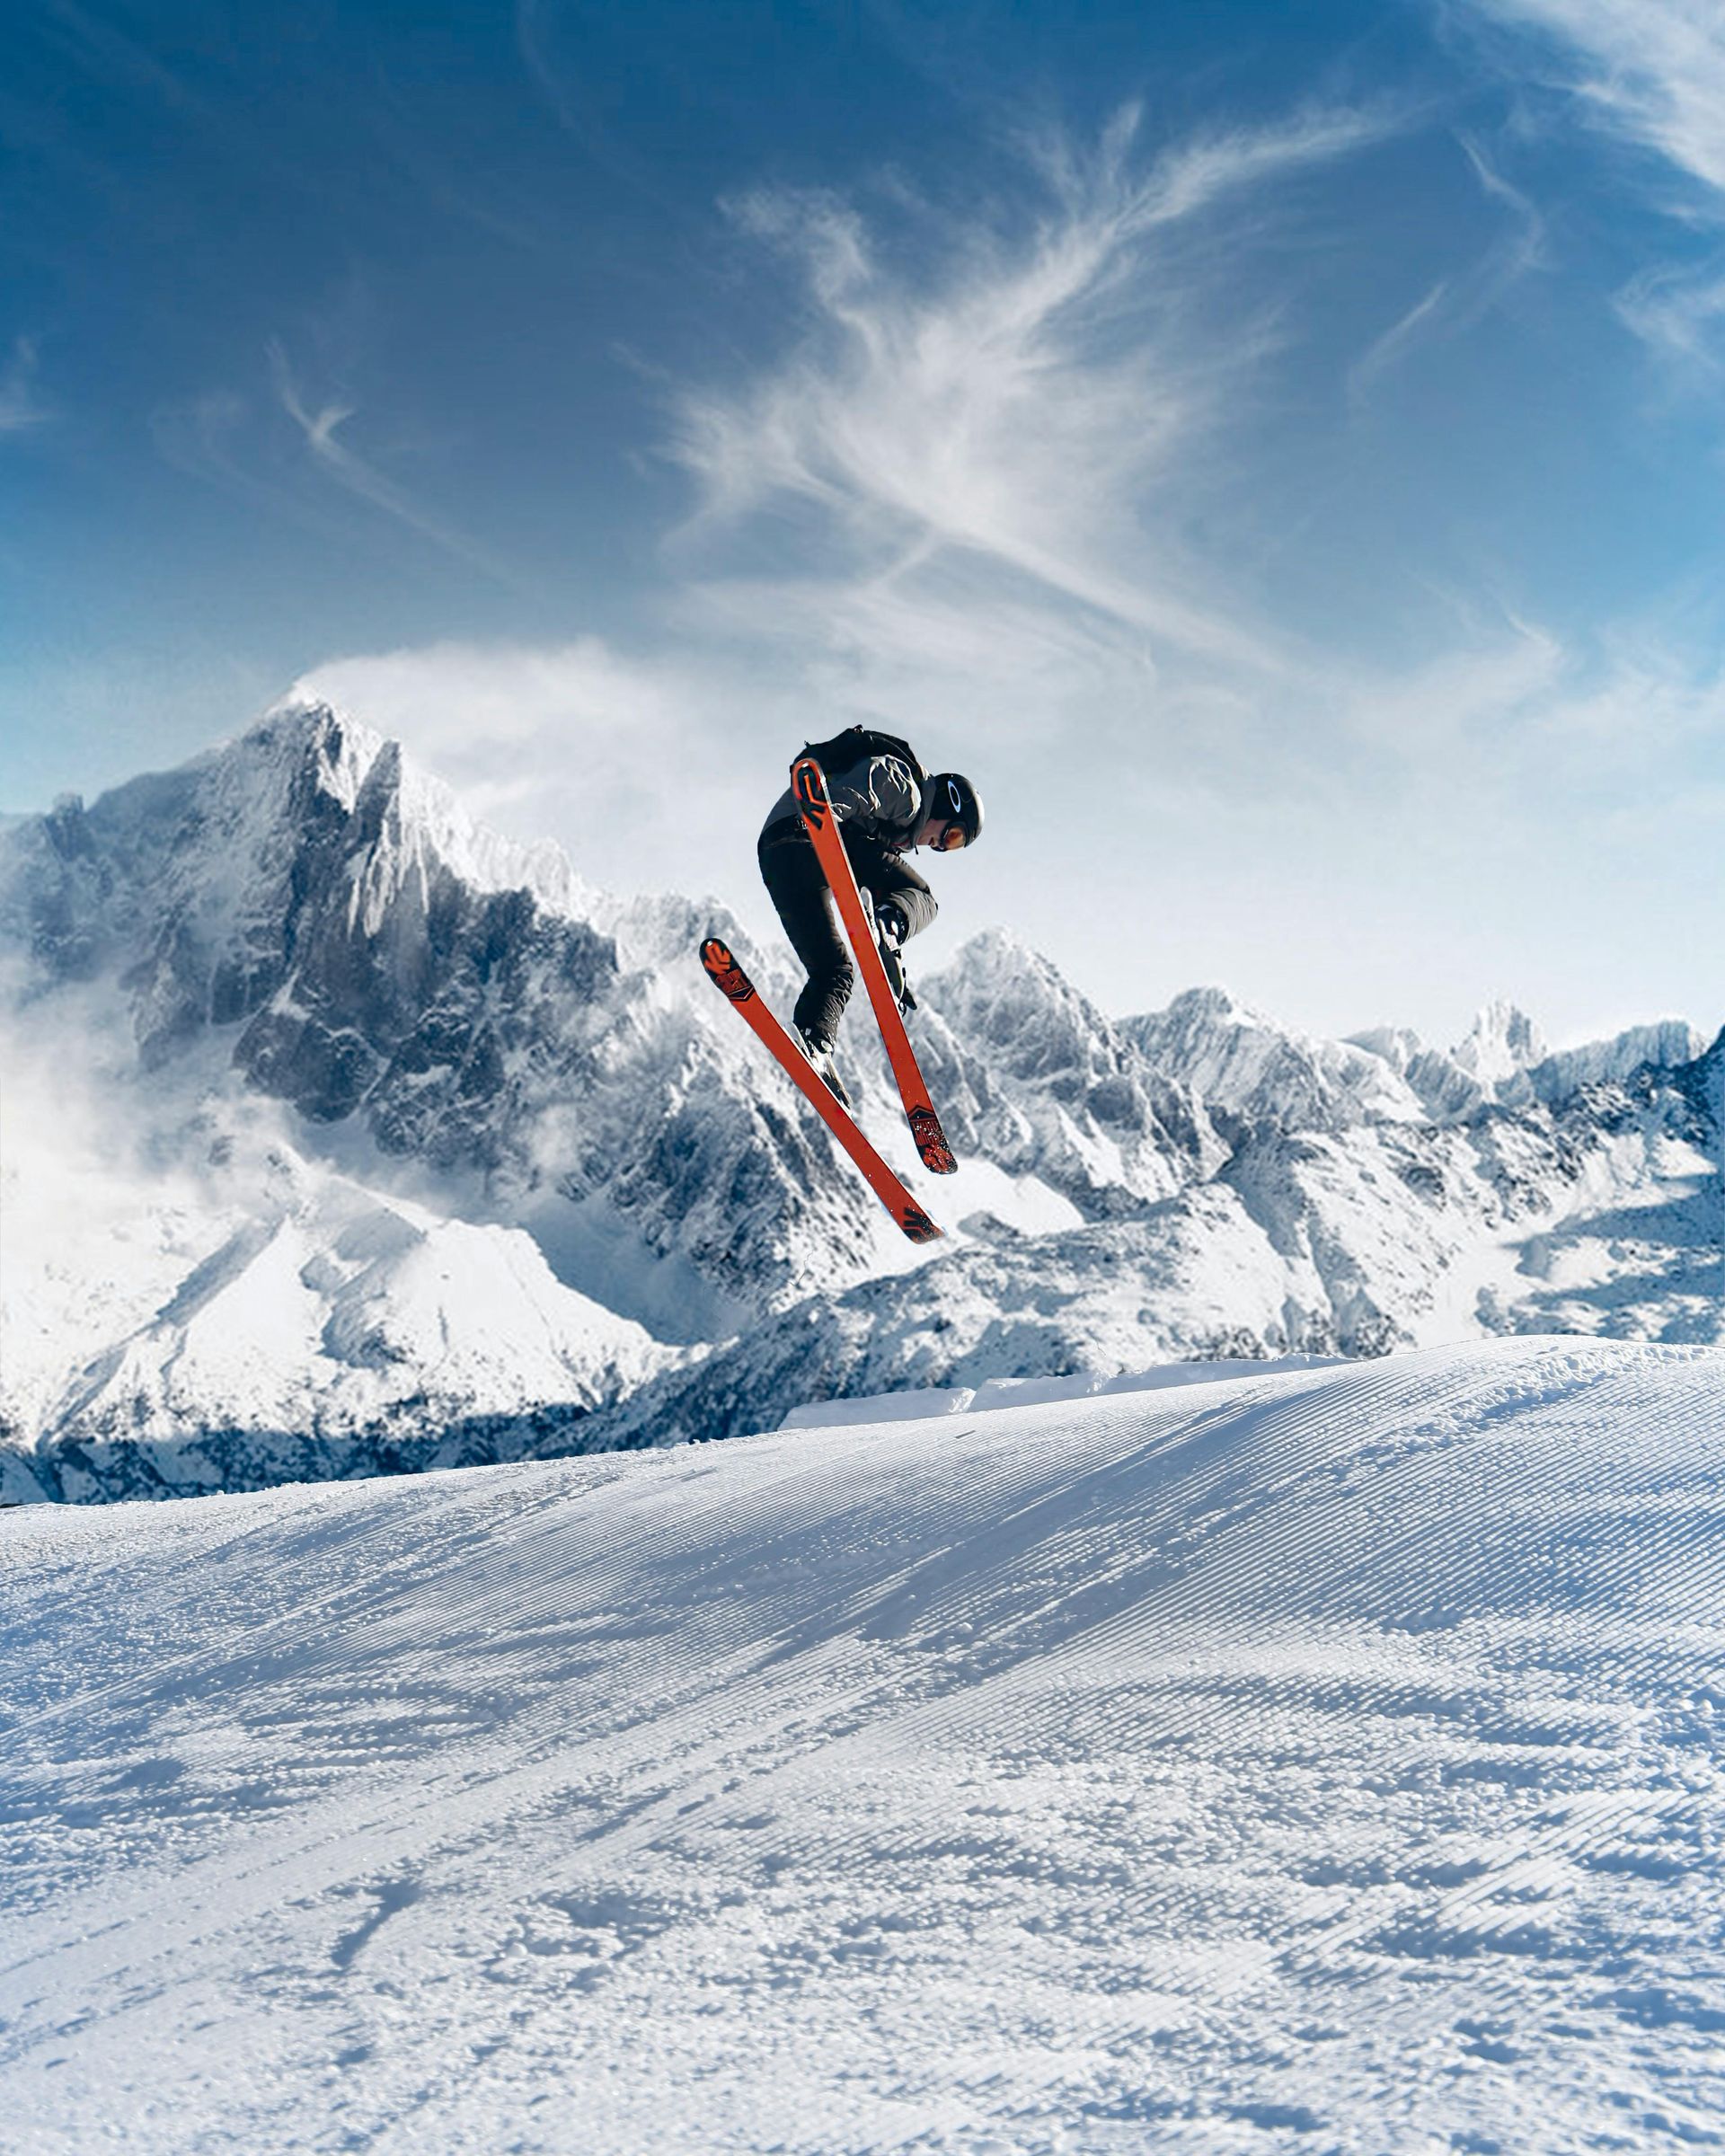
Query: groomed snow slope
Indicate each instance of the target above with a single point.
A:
(1326, 1759)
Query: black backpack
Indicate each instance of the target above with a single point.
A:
(859, 741)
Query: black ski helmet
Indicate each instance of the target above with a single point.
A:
(953, 798)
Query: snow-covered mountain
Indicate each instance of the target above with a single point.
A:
(241, 1315)
(1310, 1761)
(350, 1122)
(1244, 1064)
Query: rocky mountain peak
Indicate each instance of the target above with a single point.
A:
(1048, 1083)
(310, 743)
(1240, 1061)
(1502, 1042)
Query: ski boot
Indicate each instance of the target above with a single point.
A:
(821, 1057)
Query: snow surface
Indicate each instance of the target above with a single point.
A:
(1323, 1760)
(1034, 1392)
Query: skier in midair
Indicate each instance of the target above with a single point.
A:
(885, 804)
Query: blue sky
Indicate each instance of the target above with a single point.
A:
(1277, 451)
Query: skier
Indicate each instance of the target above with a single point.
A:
(884, 804)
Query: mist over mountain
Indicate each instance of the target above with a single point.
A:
(343, 1134)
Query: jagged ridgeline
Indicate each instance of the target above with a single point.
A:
(344, 1135)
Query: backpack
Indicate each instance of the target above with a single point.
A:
(859, 741)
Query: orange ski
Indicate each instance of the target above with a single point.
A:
(727, 975)
(809, 784)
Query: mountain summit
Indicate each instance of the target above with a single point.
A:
(291, 986)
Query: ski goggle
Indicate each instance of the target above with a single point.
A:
(950, 839)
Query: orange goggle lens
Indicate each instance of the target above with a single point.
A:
(950, 839)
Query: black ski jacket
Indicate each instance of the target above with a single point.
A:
(878, 799)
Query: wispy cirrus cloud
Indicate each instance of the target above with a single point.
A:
(1651, 74)
(572, 94)
(320, 426)
(104, 51)
(219, 438)
(1008, 402)
(1651, 71)
(21, 406)
(1454, 303)
(204, 437)
(1677, 313)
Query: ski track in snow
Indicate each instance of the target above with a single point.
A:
(1326, 1759)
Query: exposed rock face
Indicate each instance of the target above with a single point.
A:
(301, 921)
(1045, 1085)
(1240, 1061)
(367, 955)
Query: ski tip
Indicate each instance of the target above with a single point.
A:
(724, 971)
(918, 1227)
(937, 1155)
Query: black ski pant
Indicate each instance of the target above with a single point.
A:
(797, 887)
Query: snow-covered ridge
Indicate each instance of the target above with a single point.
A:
(458, 1036)
(1323, 1760)
(303, 747)
(229, 1313)
(1503, 1062)
(1239, 1060)
(1248, 1064)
